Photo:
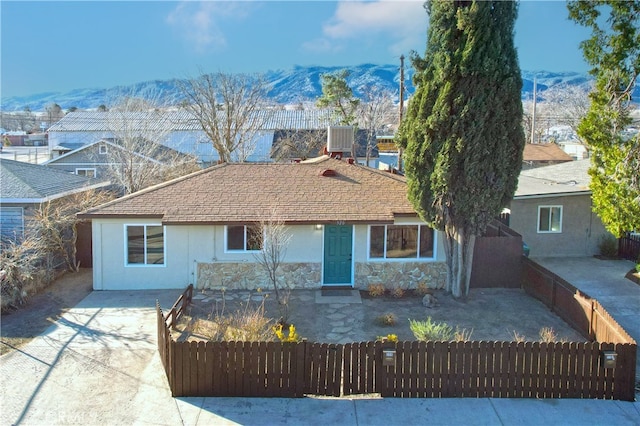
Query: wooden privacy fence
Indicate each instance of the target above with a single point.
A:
(575, 307)
(629, 246)
(417, 369)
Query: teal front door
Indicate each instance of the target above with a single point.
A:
(338, 245)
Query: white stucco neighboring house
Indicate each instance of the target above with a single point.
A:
(552, 210)
(179, 130)
(349, 225)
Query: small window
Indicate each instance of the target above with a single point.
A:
(102, 149)
(91, 173)
(549, 219)
(401, 242)
(145, 244)
(243, 238)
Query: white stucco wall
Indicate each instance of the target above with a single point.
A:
(188, 246)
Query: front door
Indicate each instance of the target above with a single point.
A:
(338, 245)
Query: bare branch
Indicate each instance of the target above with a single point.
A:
(230, 108)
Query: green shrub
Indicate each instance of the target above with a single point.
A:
(608, 246)
(430, 330)
(388, 319)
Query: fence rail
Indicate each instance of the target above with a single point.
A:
(419, 369)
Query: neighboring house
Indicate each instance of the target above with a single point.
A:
(98, 158)
(574, 148)
(24, 187)
(552, 210)
(80, 128)
(349, 225)
(538, 155)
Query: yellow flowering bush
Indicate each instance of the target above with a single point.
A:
(292, 336)
(388, 338)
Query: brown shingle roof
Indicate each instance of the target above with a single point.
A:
(250, 192)
(544, 152)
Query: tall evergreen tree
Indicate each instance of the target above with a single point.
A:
(462, 133)
(613, 51)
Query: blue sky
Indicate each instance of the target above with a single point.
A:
(53, 46)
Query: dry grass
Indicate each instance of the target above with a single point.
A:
(246, 324)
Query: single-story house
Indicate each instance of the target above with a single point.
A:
(349, 225)
(97, 159)
(180, 130)
(26, 186)
(544, 154)
(552, 210)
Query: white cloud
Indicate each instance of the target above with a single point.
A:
(197, 22)
(322, 45)
(403, 22)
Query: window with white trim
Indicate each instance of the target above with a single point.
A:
(401, 242)
(549, 219)
(88, 172)
(145, 245)
(243, 238)
(102, 149)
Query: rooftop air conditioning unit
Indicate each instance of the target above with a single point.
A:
(339, 138)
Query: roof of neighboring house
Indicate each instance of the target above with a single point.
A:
(544, 152)
(33, 183)
(306, 192)
(159, 154)
(570, 178)
(98, 121)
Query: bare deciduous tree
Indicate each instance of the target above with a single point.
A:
(54, 224)
(275, 240)
(375, 112)
(138, 158)
(298, 144)
(29, 264)
(230, 108)
(566, 105)
(21, 120)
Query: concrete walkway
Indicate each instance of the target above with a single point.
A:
(98, 365)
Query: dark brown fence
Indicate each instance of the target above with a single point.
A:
(416, 369)
(421, 369)
(497, 258)
(629, 246)
(576, 308)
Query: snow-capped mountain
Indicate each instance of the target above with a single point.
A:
(299, 84)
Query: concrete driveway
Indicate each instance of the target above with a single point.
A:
(98, 365)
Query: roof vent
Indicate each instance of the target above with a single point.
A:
(339, 138)
(328, 173)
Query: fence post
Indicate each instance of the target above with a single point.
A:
(592, 331)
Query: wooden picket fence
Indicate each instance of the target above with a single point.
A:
(420, 369)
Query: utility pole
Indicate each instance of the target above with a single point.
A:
(401, 108)
(533, 115)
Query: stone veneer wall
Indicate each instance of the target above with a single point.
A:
(250, 276)
(401, 274)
